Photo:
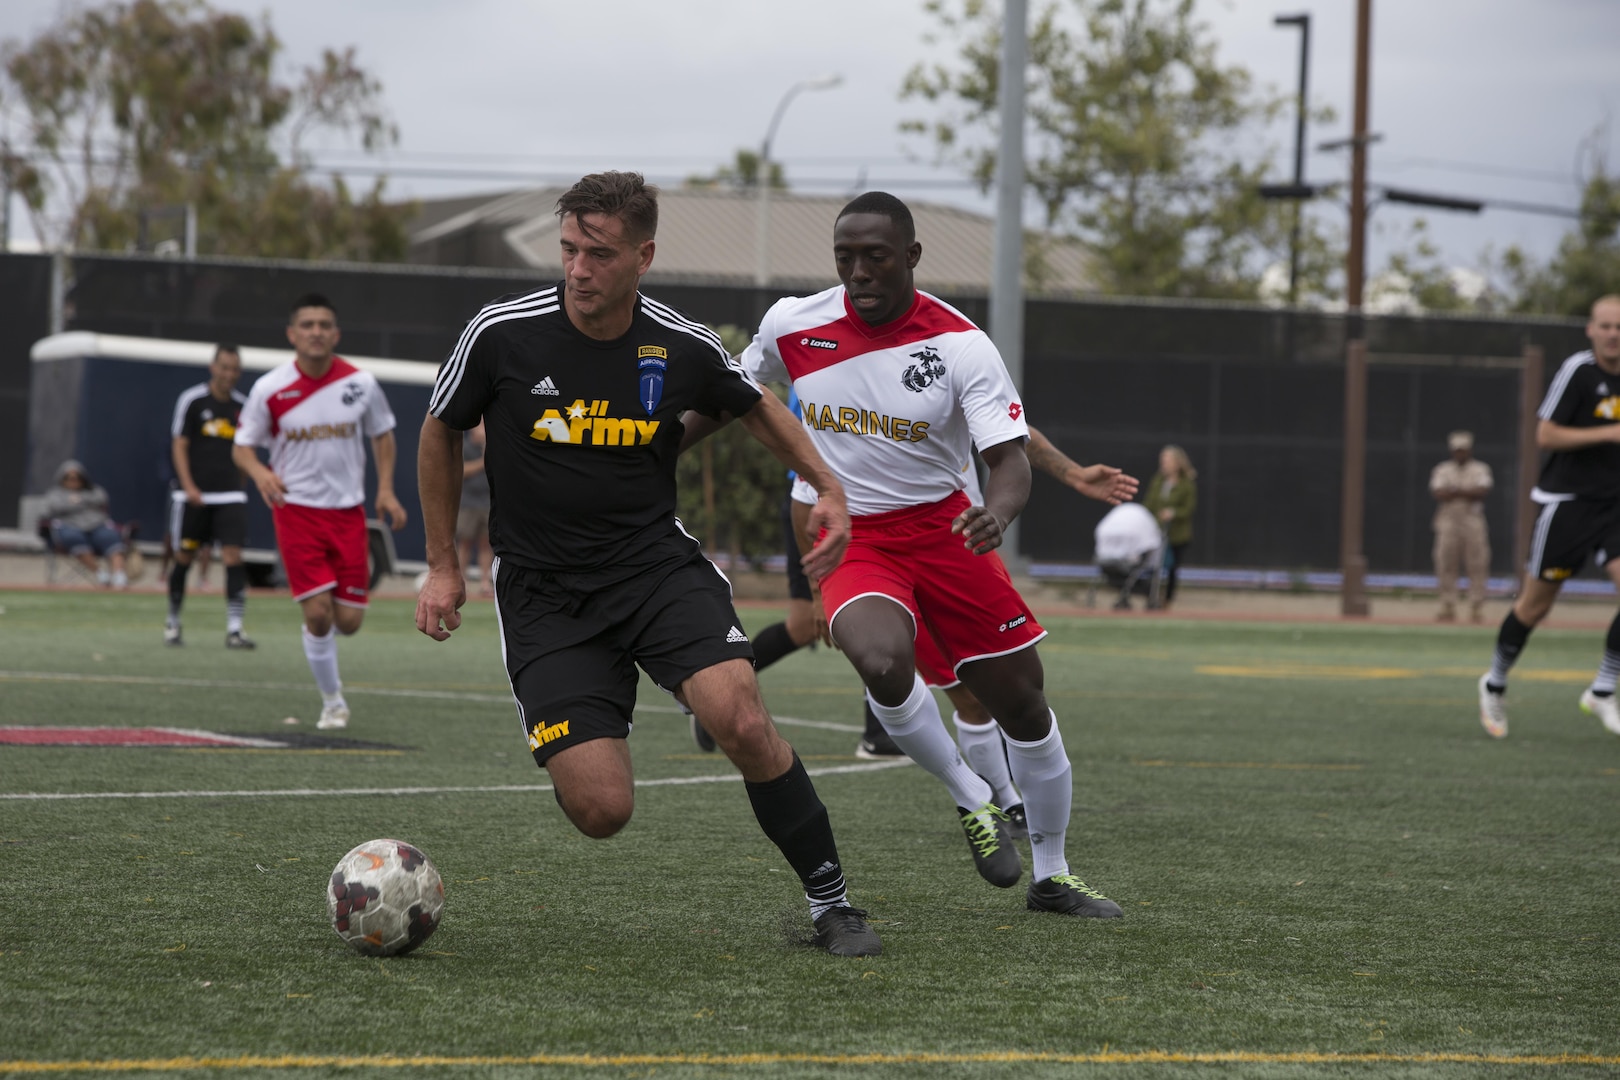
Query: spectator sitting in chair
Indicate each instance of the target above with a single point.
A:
(77, 512)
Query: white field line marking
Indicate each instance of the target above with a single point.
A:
(375, 691)
(303, 793)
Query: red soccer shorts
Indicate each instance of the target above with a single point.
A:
(324, 549)
(964, 605)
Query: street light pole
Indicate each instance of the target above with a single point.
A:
(1303, 21)
(762, 232)
(1007, 255)
(1352, 510)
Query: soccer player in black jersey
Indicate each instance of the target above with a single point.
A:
(1579, 493)
(210, 504)
(581, 386)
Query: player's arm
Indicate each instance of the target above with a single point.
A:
(1102, 482)
(271, 489)
(179, 453)
(698, 427)
(780, 432)
(438, 482)
(1005, 493)
(384, 450)
(1555, 436)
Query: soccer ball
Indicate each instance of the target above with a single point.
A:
(385, 898)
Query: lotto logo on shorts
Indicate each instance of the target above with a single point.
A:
(544, 733)
(1013, 624)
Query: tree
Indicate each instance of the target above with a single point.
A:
(742, 173)
(1587, 262)
(730, 487)
(1135, 124)
(135, 109)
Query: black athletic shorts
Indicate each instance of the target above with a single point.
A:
(572, 642)
(1566, 534)
(200, 526)
(798, 583)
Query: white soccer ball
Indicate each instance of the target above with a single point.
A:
(385, 898)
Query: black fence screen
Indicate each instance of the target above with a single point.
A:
(1254, 395)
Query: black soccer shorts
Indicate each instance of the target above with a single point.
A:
(572, 645)
(798, 583)
(199, 526)
(1568, 533)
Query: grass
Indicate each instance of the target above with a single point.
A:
(1327, 869)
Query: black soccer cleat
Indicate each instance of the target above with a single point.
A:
(700, 735)
(1017, 823)
(991, 843)
(236, 640)
(844, 931)
(878, 746)
(1065, 894)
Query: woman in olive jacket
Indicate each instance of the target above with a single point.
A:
(1172, 495)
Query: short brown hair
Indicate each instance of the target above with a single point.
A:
(624, 195)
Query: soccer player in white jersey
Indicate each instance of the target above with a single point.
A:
(316, 413)
(897, 387)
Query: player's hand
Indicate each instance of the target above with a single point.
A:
(829, 521)
(1105, 484)
(390, 510)
(981, 531)
(193, 495)
(273, 491)
(438, 605)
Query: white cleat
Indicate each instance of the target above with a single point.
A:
(333, 716)
(1605, 709)
(1493, 710)
(171, 635)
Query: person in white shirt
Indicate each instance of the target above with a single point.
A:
(897, 388)
(316, 413)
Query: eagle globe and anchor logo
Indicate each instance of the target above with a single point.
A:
(928, 369)
(352, 392)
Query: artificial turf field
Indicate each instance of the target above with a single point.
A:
(1327, 869)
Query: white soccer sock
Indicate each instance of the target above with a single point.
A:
(918, 729)
(981, 745)
(321, 652)
(1045, 777)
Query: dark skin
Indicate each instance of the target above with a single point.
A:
(876, 259)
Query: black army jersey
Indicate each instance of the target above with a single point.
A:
(1582, 395)
(582, 435)
(209, 427)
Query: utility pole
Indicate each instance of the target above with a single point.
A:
(1304, 23)
(1007, 266)
(1352, 508)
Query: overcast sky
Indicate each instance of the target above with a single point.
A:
(1483, 98)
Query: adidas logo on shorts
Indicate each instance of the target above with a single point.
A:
(735, 636)
(544, 386)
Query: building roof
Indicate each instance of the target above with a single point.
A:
(709, 235)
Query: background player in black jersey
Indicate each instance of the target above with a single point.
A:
(581, 387)
(1579, 493)
(210, 505)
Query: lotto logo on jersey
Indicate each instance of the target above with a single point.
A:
(543, 733)
(588, 424)
(864, 422)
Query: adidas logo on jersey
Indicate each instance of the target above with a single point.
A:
(545, 386)
(736, 637)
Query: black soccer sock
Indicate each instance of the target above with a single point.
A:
(1609, 669)
(1510, 641)
(177, 590)
(235, 597)
(792, 815)
(771, 644)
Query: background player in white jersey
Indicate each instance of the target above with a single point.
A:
(1579, 493)
(897, 387)
(316, 413)
(209, 504)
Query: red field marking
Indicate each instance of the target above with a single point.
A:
(112, 736)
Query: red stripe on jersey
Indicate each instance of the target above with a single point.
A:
(805, 352)
(302, 389)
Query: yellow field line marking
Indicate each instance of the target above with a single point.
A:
(1303, 766)
(1105, 1057)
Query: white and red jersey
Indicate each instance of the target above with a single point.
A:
(316, 430)
(895, 410)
